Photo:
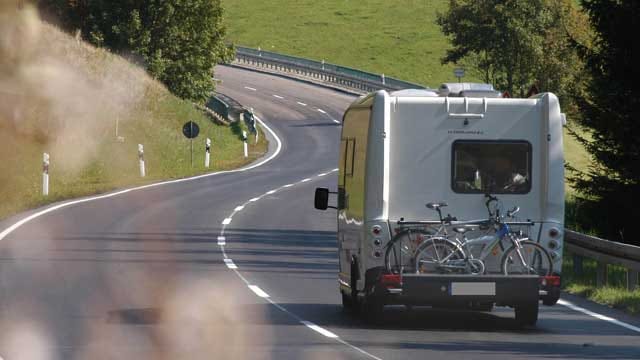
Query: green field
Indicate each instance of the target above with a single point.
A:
(67, 104)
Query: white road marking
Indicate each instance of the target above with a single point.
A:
(263, 294)
(322, 174)
(301, 103)
(336, 121)
(270, 192)
(222, 240)
(278, 96)
(239, 208)
(572, 306)
(336, 169)
(230, 264)
(254, 199)
(322, 111)
(21, 222)
(250, 88)
(226, 221)
(318, 329)
(258, 291)
(305, 180)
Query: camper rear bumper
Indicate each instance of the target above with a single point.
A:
(460, 289)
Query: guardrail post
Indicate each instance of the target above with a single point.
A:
(601, 274)
(577, 265)
(632, 279)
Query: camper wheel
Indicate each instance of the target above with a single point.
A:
(527, 314)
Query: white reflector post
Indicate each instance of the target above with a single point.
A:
(244, 140)
(207, 154)
(45, 174)
(141, 159)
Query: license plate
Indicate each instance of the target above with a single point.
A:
(473, 288)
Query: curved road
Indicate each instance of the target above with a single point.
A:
(239, 265)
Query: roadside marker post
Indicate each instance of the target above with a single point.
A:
(207, 152)
(45, 174)
(244, 140)
(141, 159)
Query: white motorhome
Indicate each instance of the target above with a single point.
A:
(404, 149)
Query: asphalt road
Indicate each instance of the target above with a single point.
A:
(141, 275)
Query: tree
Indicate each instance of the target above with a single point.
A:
(179, 41)
(514, 44)
(610, 108)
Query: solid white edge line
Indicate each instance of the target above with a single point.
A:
(258, 291)
(21, 222)
(572, 306)
(318, 329)
(239, 208)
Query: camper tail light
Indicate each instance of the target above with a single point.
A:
(554, 232)
(550, 281)
(553, 244)
(376, 230)
(391, 281)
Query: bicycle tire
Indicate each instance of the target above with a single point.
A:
(399, 254)
(430, 255)
(542, 263)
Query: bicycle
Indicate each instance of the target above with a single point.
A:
(401, 249)
(523, 257)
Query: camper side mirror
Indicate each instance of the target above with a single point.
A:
(321, 201)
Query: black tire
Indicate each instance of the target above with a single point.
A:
(429, 254)
(552, 297)
(347, 302)
(540, 262)
(527, 314)
(400, 251)
(373, 309)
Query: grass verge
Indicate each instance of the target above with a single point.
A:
(614, 294)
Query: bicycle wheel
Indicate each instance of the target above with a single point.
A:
(399, 256)
(438, 255)
(530, 259)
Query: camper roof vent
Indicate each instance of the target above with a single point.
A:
(468, 90)
(415, 92)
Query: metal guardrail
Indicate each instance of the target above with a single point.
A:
(605, 252)
(320, 71)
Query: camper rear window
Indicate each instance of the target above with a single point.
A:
(495, 167)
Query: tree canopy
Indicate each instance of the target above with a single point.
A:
(514, 44)
(610, 112)
(179, 41)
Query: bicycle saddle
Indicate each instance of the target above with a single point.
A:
(463, 229)
(436, 206)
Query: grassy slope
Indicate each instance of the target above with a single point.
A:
(398, 38)
(155, 120)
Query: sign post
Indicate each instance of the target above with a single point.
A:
(191, 130)
(45, 174)
(207, 152)
(459, 73)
